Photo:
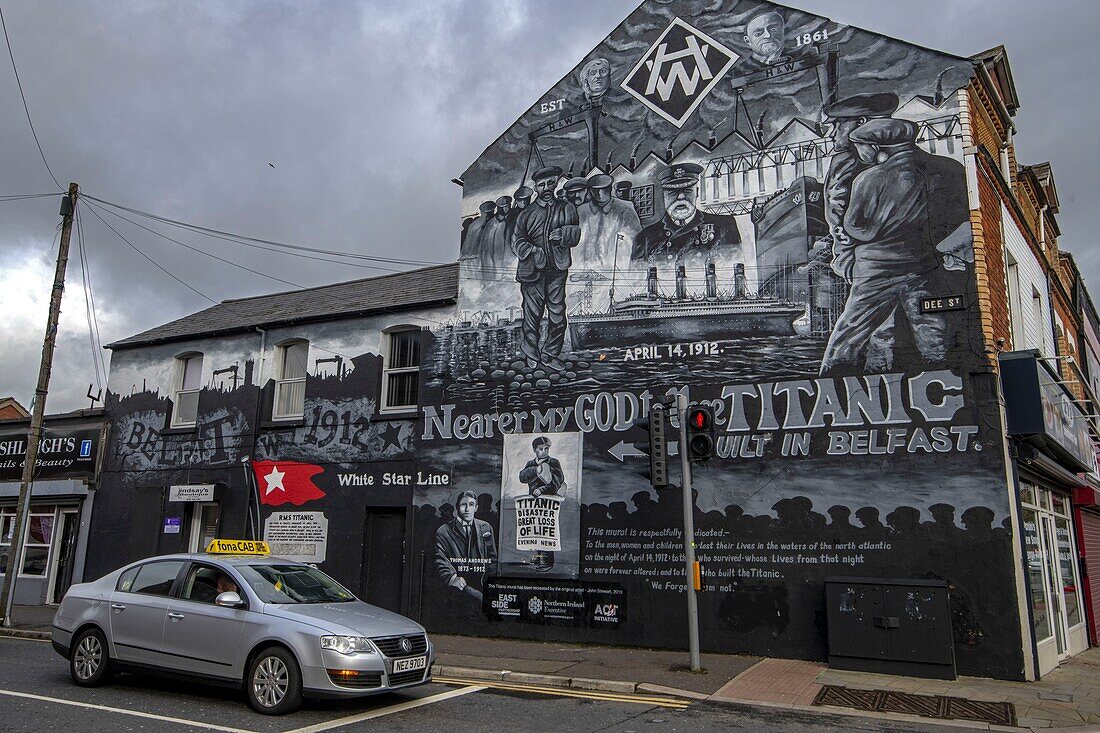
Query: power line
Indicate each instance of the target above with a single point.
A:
(91, 297)
(242, 239)
(155, 263)
(96, 363)
(25, 196)
(26, 109)
(262, 247)
(200, 251)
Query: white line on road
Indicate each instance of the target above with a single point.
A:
(123, 711)
(23, 638)
(399, 707)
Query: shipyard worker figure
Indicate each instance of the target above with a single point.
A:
(545, 234)
(840, 119)
(903, 207)
(471, 253)
(544, 477)
(464, 547)
(603, 218)
(684, 230)
(496, 248)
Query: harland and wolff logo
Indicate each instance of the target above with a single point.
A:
(678, 71)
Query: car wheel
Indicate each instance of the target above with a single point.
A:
(89, 663)
(274, 682)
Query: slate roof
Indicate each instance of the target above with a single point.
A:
(425, 287)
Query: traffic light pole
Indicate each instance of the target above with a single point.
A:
(689, 535)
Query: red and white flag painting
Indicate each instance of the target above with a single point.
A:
(287, 482)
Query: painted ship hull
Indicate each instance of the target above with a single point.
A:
(594, 332)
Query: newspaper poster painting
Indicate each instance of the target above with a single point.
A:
(540, 504)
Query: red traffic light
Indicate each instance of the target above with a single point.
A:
(699, 419)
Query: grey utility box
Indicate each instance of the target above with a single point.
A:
(892, 626)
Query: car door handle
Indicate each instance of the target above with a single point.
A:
(118, 607)
(175, 616)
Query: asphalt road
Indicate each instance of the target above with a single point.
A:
(37, 695)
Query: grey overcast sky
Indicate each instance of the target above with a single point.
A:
(340, 124)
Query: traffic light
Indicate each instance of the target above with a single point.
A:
(655, 423)
(700, 433)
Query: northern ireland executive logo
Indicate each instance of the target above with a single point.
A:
(678, 71)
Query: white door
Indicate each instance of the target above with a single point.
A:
(204, 525)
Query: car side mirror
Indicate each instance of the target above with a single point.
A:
(229, 599)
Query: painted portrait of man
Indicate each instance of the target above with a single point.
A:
(464, 548)
(595, 80)
(766, 34)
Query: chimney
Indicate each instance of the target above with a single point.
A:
(740, 287)
(712, 281)
(651, 283)
(681, 283)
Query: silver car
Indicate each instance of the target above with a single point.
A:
(282, 629)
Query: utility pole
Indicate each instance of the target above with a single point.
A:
(7, 595)
(689, 534)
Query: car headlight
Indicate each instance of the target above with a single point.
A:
(347, 644)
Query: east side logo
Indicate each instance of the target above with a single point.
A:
(678, 71)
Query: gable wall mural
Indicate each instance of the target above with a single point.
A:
(766, 211)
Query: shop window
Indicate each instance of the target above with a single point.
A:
(185, 397)
(401, 370)
(1067, 567)
(290, 384)
(1040, 607)
(37, 538)
(36, 544)
(7, 527)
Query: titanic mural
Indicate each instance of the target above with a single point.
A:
(767, 211)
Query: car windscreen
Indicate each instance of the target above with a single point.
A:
(293, 584)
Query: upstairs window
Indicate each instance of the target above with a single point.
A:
(401, 370)
(290, 382)
(185, 396)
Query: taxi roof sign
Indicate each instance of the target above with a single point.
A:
(238, 547)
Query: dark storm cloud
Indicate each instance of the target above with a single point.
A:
(366, 110)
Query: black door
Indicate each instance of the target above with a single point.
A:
(383, 557)
(66, 549)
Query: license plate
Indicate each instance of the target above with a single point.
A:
(404, 665)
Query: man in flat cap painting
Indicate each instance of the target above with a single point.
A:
(905, 209)
(545, 235)
(840, 118)
(603, 218)
(684, 230)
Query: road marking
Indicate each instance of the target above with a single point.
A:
(399, 707)
(23, 638)
(124, 711)
(667, 702)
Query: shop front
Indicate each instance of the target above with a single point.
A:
(55, 531)
(1052, 449)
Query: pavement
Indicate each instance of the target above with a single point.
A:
(1067, 699)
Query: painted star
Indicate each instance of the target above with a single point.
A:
(391, 435)
(274, 480)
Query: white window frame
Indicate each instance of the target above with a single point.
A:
(282, 382)
(179, 393)
(50, 554)
(387, 371)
